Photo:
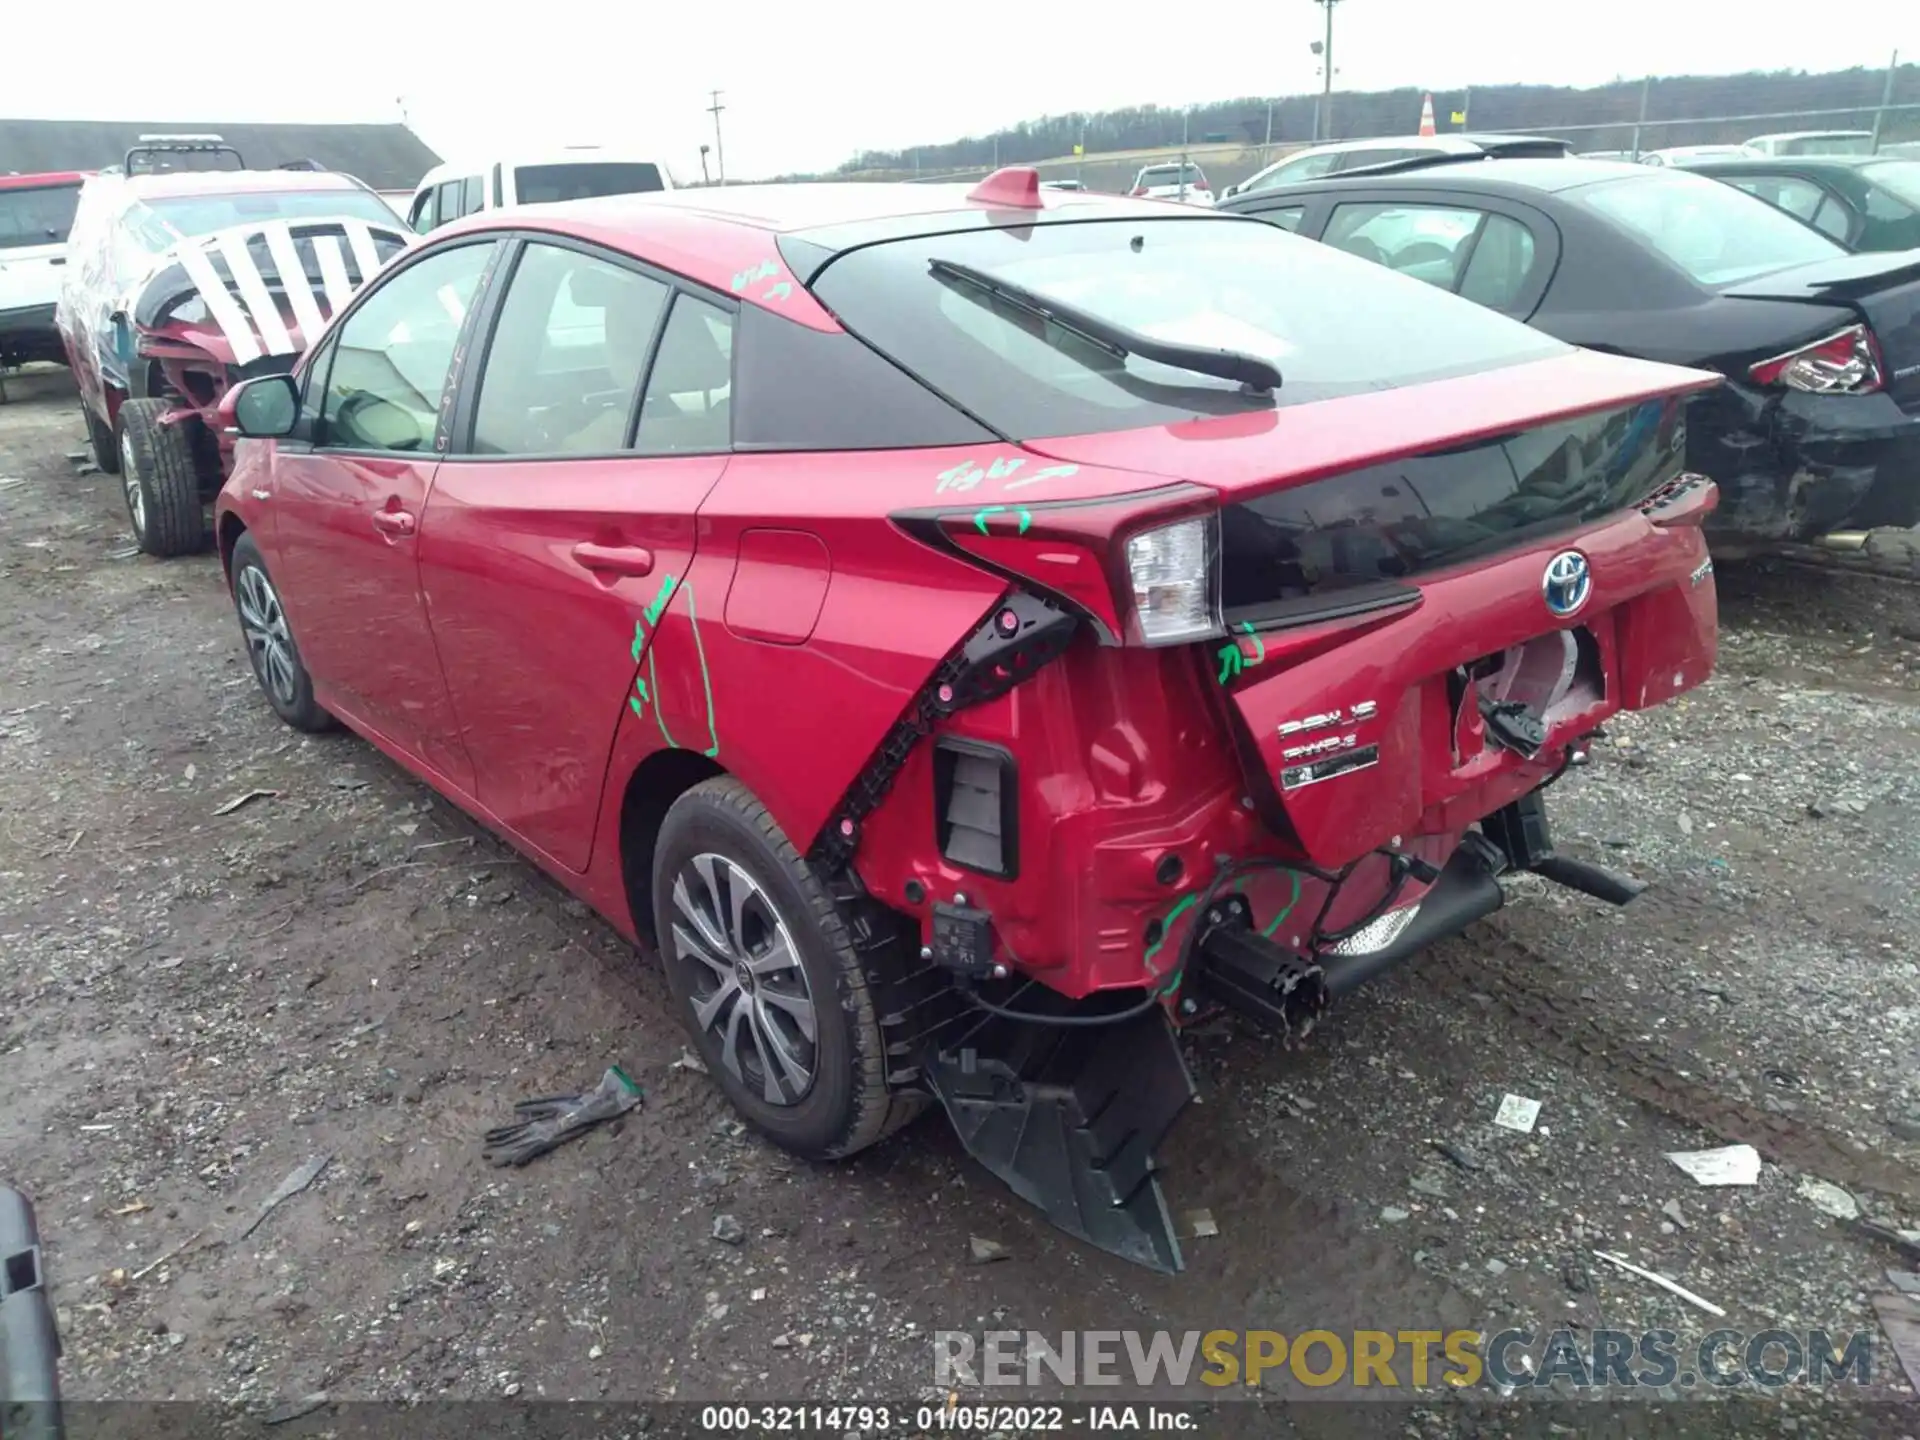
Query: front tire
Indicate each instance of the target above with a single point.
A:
(762, 967)
(162, 481)
(271, 649)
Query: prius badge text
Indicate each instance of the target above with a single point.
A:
(1343, 715)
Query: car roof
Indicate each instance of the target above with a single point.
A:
(558, 155)
(797, 209)
(1459, 144)
(1809, 135)
(726, 237)
(37, 182)
(1769, 163)
(173, 183)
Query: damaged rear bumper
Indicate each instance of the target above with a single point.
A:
(1795, 467)
(1070, 1118)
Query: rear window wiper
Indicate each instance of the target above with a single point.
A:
(1117, 340)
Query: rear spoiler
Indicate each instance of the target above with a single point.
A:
(29, 1341)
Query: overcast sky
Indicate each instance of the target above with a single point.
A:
(807, 86)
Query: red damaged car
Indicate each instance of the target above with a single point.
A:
(972, 633)
(182, 279)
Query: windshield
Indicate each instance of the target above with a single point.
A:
(39, 216)
(1717, 234)
(1333, 325)
(158, 223)
(1902, 177)
(544, 184)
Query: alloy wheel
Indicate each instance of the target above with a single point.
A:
(269, 644)
(746, 984)
(130, 477)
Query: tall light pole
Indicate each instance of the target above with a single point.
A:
(1323, 121)
(719, 150)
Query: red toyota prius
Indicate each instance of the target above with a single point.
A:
(968, 634)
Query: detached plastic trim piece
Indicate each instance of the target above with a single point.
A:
(29, 1340)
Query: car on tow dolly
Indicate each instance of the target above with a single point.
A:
(967, 634)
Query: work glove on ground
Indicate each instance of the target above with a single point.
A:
(553, 1120)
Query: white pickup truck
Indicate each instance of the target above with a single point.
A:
(36, 211)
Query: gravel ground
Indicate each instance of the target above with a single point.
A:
(195, 1005)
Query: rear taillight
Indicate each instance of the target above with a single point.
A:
(1139, 191)
(1198, 185)
(1175, 574)
(1141, 568)
(1844, 364)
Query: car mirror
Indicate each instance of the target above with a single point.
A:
(264, 409)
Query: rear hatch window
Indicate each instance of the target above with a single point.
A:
(546, 184)
(39, 215)
(1360, 537)
(1718, 235)
(1333, 325)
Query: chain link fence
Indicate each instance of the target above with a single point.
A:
(1625, 120)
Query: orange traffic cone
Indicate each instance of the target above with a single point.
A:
(1426, 116)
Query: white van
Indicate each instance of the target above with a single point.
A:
(578, 172)
(1812, 142)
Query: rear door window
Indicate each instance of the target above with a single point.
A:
(1501, 265)
(1428, 242)
(39, 215)
(472, 199)
(1304, 167)
(688, 409)
(564, 362)
(1802, 199)
(450, 195)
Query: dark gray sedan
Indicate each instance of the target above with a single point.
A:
(1817, 429)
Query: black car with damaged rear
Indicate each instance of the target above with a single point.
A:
(1817, 431)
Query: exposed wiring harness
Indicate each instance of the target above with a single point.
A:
(1400, 866)
(1031, 1017)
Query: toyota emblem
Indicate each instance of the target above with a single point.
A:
(1567, 583)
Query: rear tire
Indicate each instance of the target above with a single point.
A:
(162, 481)
(271, 650)
(106, 453)
(728, 884)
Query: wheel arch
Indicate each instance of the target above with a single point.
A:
(661, 778)
(228, 532)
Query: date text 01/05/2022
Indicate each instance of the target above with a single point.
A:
(941, 1419)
